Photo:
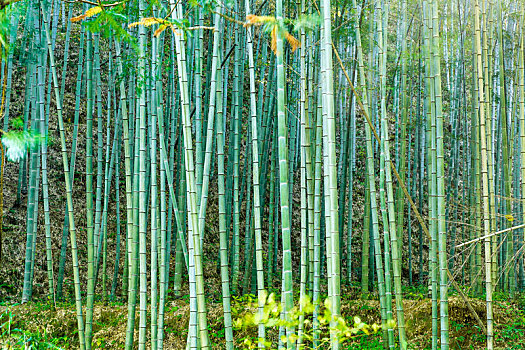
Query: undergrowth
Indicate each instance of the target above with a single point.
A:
(38, 325)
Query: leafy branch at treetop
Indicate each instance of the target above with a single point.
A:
(17, 143)
(271, 25)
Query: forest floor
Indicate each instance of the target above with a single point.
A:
(43, 327)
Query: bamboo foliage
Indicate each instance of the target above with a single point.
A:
(311, 149)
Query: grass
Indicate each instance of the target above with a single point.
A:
(12, 337)
(37, 325)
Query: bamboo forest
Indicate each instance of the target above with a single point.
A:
(262, 174)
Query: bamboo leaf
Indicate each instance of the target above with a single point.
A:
(89, 13)
(294, 43)
(160, 29)
(307, 22)
(259, 20)
(147, 22)
(17, 143)
(274, 40)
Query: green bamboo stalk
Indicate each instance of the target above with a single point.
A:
(256, 175)
(190, 179)
(284, 188)
(484, 175)
(372, 189)
(69, 196)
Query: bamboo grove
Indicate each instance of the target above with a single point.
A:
(300, 147)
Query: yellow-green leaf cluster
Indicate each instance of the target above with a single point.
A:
(89, 13)
(272, 25)
(249, 316)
